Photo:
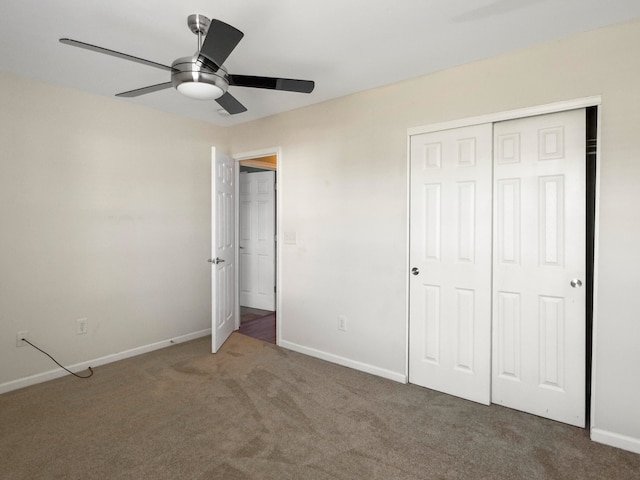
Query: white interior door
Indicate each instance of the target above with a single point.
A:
(257, 240)
(223, 268)
(539, 264)
(450, 256)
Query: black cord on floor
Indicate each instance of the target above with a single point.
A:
(56, 362)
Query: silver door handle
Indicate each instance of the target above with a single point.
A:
(415, 271)
(576, 283)
(215, 260)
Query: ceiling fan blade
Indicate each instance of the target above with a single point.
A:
(113, 53)
(286, 84)
(231, 104)
(220, 41)
(143, 91)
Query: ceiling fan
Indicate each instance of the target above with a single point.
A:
(202, 76)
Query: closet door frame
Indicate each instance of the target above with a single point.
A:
(586, 102)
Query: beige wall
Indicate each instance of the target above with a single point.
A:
(342, 177)
(105, 215)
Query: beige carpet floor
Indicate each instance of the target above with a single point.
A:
(256, 411)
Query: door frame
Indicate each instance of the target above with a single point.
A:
(586, 102)
(239, 157)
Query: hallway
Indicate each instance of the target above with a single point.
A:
(258, 324)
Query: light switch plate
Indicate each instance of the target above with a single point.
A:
(290, 238)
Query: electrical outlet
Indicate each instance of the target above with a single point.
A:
(342, 323)
(19, 336)
(82, 326)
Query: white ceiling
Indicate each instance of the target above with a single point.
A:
(344, 45)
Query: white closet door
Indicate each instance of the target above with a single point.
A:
(450, 238)
(539, 266)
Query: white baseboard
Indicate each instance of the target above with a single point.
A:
(345, 362)
(57, 373)
(615, 440)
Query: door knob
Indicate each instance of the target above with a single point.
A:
(215, 260)
(415, 271)
(576, 283)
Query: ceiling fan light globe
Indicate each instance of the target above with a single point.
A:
(200, 90)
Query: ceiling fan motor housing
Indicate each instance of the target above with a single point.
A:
(194, 70)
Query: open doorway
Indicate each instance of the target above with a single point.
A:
(257, 247)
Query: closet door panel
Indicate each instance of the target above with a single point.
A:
(450, 252)
(540, 243)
